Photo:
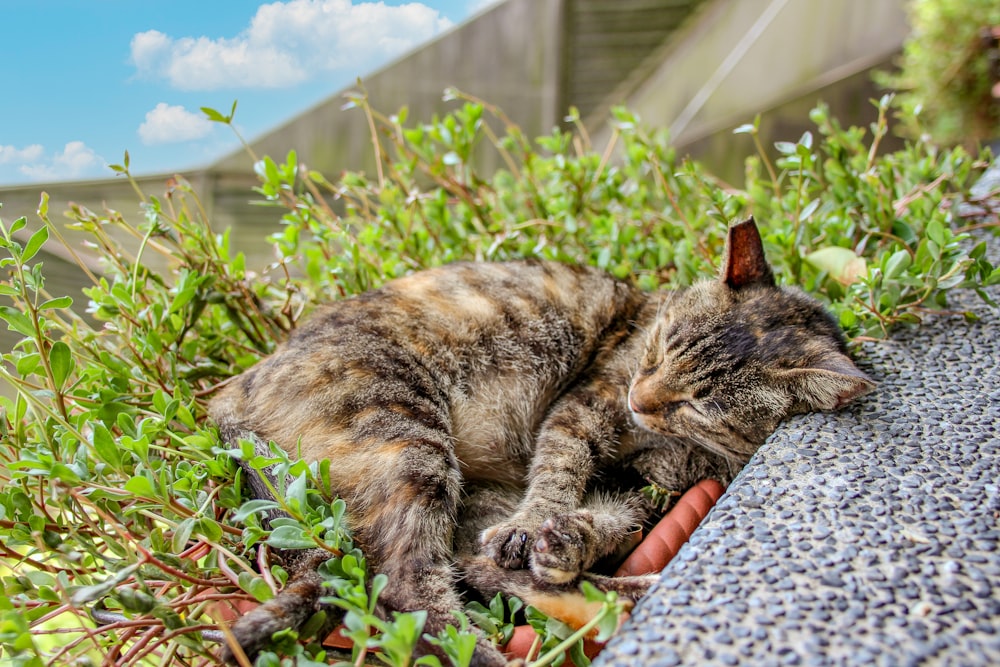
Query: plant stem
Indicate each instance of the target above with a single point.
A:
(563, 646)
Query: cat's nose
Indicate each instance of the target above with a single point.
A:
(636, 406)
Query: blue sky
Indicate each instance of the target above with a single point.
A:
(84, 80)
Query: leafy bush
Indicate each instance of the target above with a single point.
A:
(123, 528)
(947, 72)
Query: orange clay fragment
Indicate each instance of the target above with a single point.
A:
(669, 535)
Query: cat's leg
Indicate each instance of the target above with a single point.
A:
(566, 544)
(597, 529)
(580, 432)
(570, 543)
(483, 504)
(402, 513)
(404, 520)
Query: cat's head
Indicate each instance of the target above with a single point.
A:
(727, 359)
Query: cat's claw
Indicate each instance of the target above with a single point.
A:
(507, 546)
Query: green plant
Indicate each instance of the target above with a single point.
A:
(874, 235)
(496, 620)
(123, 525)
(946, 72)
(556, 639)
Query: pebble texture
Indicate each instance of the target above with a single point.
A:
(863, 537)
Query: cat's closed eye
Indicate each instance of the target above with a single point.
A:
(673, 406)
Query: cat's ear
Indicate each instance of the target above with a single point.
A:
(828, 384)
(745, 262)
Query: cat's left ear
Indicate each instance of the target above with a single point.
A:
(745, 262)
(828, 384)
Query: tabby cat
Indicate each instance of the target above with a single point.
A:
(526, 399)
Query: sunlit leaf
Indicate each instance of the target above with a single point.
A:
(842, 264)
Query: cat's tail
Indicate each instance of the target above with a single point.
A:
(289, 609)
(300, 598)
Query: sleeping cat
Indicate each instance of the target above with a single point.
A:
(533, 381)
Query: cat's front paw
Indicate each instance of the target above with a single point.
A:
(508, 544)
(563, 548)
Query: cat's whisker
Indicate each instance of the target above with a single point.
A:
(720, 450)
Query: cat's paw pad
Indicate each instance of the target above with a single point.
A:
(563, 547)
(507, 545)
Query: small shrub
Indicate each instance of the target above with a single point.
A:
(948, 71)
(123, 525)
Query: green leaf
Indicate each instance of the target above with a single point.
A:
(482, 618)
(842, 264)
(209, 529)
(256, 586)
(809, 209)
(28, 364)
(993, 278)
(937, 232)
(897, 263)
(214, 116)
(182, 534)
(379, 582)
(18, 225)
(848, 318)
(577, 656)
(65, 473)
(290, 537)
(105, 447)
(60, 302)
(61, 362)
(141, 486)
(136, 600)
(607, 626)
(313, 626)
(785, 147)
(252, 507)
(17, 321)
(951, 281)
(85, 594)
(296, 494)
(34, 244)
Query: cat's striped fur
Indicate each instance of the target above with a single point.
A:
(535, 381)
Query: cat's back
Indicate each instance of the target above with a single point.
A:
(481, 293)
(459, 307)
(481, 340)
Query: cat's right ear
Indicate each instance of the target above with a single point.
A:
(829, 383)
(745, 261)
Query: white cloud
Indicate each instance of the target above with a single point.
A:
(75, 160)
(12, 154)
(287, 43)
(167, 124)
(148, 49)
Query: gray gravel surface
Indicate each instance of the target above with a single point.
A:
(863, 537)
